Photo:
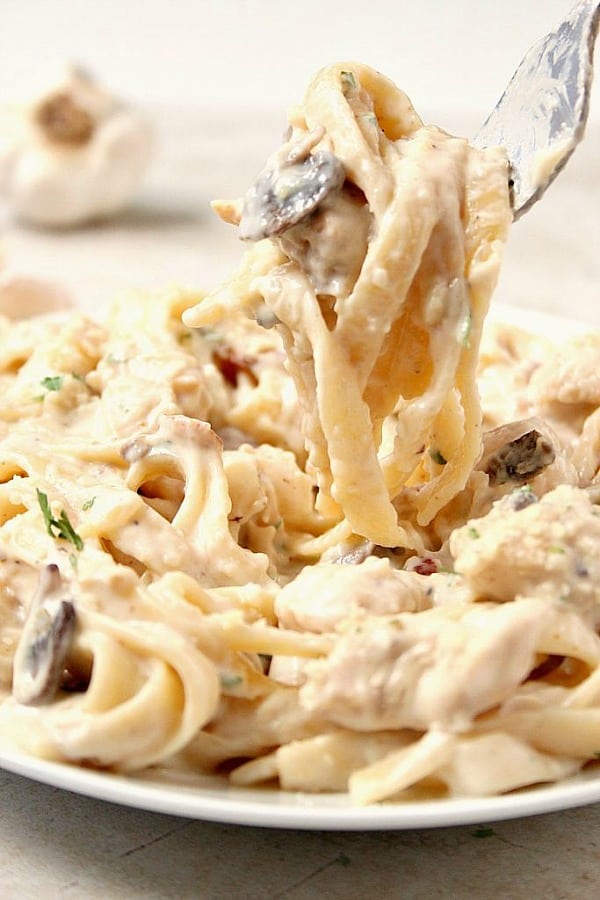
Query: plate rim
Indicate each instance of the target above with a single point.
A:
(210, 798)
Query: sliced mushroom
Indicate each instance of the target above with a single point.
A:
(521, 459)
(291, 187)
(45, 642)
(516, 453)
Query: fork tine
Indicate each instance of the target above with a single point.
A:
(541, 116)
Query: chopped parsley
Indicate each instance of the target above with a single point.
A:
(348, 80)
(473, 533)
(229, 681)
(437, 456)
(466, 332)
(88, 504)
(210, 334)
(52, 382)
(483, 832)
(370, 118)
(61, 527)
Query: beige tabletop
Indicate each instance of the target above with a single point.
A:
(57, 844)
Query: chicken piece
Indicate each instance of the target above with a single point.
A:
(322, 596)
(546, 549)
(572, 374)
(331, 245)
(507, 361)
(439, 668)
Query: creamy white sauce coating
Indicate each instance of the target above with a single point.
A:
(157, 476)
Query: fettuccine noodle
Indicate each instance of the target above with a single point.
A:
(273, 532)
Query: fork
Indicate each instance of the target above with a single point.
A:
(541, 116)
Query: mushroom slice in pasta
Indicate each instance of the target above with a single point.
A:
(45, 642)
(520, 459)
(291, 186)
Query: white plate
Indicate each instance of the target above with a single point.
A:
(213, 799)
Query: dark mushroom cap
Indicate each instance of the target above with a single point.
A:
(45, 642)
(287, 192)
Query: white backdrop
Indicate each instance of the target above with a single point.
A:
(447, 55)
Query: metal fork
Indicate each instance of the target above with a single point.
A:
(541, 116)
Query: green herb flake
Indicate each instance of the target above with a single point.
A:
(79, 377)
(210, 334)
(348, 80)
(482, 832)
(465, 337)
(115, 359)
(46, 511)
(370, 118)
(66, 531)
(556, 548)
(61, 527)
(228, 681)
(473, 533)
(52, 382)
(437, 456)
(88, 504)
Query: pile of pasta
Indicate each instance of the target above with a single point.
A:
(272, 533)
